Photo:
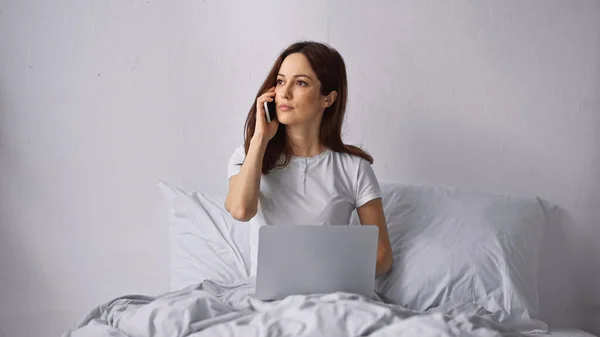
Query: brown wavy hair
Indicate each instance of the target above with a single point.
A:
(330, 69)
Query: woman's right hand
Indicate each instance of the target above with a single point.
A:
(264, 130)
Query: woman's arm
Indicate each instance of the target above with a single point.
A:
(371, 213)
(242, 198)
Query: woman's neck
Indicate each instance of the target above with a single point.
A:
(304, 142)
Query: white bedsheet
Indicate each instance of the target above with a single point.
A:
(218, 309)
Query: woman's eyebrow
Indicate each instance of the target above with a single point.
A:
(299, 75)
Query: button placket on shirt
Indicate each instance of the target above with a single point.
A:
(303, 169)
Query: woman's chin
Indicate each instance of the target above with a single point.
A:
(285, 119)
(289, 118)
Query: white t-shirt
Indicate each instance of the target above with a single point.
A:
(320, 190)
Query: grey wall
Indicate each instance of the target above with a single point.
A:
(99, 99)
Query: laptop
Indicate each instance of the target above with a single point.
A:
(314, 259)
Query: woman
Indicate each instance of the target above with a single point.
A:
(296, 169)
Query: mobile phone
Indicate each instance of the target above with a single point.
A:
(270, 110)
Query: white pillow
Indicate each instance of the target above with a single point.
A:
(205, 241)
(453, 247)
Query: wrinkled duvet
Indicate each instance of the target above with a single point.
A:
(230, 309)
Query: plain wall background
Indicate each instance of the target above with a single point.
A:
(99, 99)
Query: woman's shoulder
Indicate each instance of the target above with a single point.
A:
(351, 158)
(237, 156)
(239, 151)
(352, 164)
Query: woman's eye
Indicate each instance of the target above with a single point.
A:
(302, 83)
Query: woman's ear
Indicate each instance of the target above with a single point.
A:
(330, 99)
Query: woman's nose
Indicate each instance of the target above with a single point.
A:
(286, 92)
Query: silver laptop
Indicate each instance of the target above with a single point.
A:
(315, 259)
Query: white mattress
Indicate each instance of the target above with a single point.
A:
(564, 333)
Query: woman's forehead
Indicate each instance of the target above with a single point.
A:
(296, 64)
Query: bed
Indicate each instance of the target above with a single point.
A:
(465, 263)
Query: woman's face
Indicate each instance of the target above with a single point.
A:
(297, 93)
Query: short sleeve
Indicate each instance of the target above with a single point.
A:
(235, 162)
(367, 185)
